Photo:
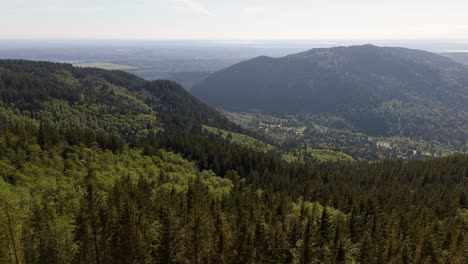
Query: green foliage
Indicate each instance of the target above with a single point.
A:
(297, 135)
(240, 139)
(82, 192)
(64, 202)
(322, 155)
(112, 101)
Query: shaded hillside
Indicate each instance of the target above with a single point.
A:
(185, 79)
(461, 57)
(378, 91)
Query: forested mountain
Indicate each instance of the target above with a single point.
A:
(103, 167)
(112, 101)
(377, 91)
(461, 57)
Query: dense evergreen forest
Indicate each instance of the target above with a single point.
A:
(408, 100)
(103, 167)
(112, 101)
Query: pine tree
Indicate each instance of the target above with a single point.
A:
(89, 225)
(307, 248)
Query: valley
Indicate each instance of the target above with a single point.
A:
(233, 132)
(101, 166)
(294, 133)
(366, 101)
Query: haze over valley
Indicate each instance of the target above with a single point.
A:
(187, 62)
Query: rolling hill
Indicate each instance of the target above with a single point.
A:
(112, 101)
(379, 91)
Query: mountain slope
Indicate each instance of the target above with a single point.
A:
(71, 194)
(461, 57)
(113, 101)
(379, 91)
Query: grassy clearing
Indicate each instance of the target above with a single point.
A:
(240, 139)
(104, 65)
(322, 155)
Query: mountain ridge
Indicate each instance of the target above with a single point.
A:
(114, 101)
(380, 90)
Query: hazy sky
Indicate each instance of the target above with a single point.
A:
(235, 19)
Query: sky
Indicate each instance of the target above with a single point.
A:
(234, 19)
